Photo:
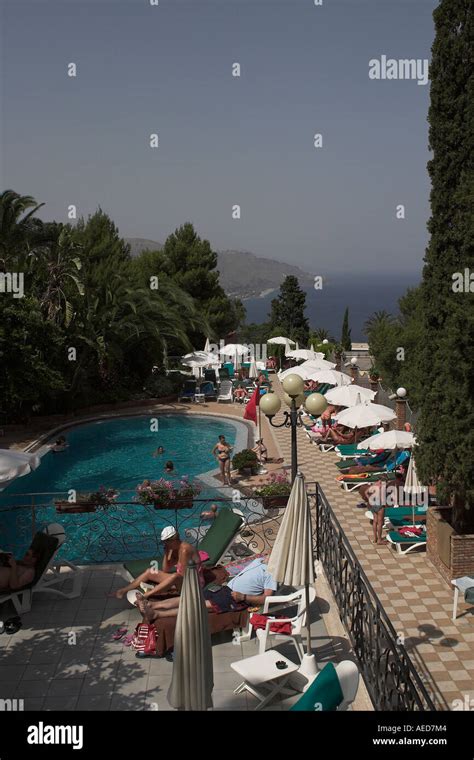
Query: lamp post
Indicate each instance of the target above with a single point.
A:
(270, 405)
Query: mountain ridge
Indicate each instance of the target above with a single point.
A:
(242, 274)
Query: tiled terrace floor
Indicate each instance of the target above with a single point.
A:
(417, 600)
(64, 657)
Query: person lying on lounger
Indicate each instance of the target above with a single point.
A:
(177, 555)
(15, 574)
(250, 587)
(338, 434)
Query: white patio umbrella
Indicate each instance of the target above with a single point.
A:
(413, 486)
(193, 678)
(389, 440)
(234, 351)
(386, 413)
(332, 377)
(308, 369)
(359, 416)
(348, 395)
(281, 341)
(198, 359)
(304, 353)
(15, 464)
(291, 561)
(207, 347)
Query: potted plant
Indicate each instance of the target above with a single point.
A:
(246, 462)
(166, 494)
(89, 502)
(275, 493)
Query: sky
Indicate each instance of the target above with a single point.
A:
(225, 140)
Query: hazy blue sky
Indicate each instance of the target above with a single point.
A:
(224, 140)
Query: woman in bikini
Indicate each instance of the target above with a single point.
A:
(222, 451)
(177, 555)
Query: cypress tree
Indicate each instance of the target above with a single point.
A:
(442, 373)
(288, 311)
(346, 341)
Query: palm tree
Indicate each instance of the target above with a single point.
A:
(378, 320)
(60, 264)
(19, 232)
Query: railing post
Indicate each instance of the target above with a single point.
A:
(317, 523)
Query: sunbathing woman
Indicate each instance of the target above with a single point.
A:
(339, 434)
(177, 554)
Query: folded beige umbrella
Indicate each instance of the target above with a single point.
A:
(193, 677)
(291, 560)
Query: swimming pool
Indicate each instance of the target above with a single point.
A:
(117, 453)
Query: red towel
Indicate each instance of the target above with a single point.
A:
(260, 621)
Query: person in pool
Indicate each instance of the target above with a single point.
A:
(60, 445)
(157, 452)
(211, 514)
(221, 452)
(169, 466)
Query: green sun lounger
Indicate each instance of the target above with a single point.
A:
(216, 542)
(404, 544)
(353, 482)
(348, 450)
(400, 516)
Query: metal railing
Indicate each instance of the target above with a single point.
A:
(126, 529)
(389, 674)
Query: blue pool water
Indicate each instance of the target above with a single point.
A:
(118, 453)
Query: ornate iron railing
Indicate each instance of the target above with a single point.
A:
(389, 674)
(126, 529)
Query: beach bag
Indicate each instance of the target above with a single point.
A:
(144, 638)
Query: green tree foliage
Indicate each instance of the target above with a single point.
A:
(191, 263)
(346, 341)
(91, 326)
(443, 376)
(287, 316)
(32, 356)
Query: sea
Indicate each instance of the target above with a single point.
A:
(363, 295)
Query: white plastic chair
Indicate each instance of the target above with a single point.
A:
(225, 391)
(267, 638)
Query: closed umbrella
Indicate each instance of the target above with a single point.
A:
(291, 560)
(413, 486)
(193, 679)
(253, 370)
(349, 395)
(207, 347)
(15, 464)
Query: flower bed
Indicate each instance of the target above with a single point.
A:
(275, 493)
(166, 494)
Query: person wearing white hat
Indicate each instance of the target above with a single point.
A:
(177, 555)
